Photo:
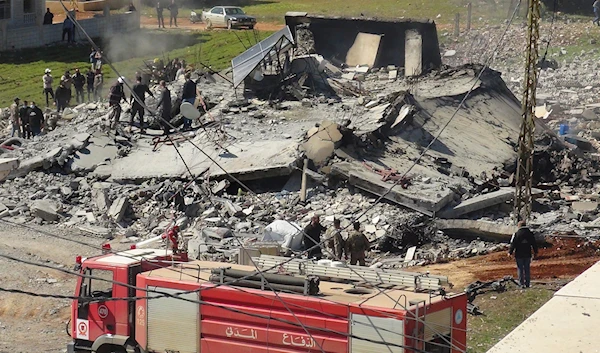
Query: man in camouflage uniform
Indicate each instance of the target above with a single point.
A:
(335, 241)
(356, 245)
(14, 118)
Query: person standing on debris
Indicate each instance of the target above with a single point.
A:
(116, 95)
(14, 118)
(68, 29)
(36, 119)
(89, 79)
(24, 116)
(137, 108)
(159, 14)
(48, 17)
(67, 81)
(93, 59)
(98, 84)
(48, 90)
(356, 245)
(98, 60)
(522, 244)
(164, 105)
(61, 97)
(78, 83)
(189, 94)
(174, 10)
(596, 7)
(312, 238)
(335, 240)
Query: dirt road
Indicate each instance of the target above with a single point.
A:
(564, 258)
(34, 324)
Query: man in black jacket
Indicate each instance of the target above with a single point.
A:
(115, 96)
(140, 90)
(312, 238)
(61, 97)
(24, 115)
(164, 106)
(36, 119)
(78, 83)
(521, 244)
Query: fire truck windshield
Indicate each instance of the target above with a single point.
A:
(97, 288)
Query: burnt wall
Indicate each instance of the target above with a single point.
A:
(334, 37)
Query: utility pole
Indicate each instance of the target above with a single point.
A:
(526, 137)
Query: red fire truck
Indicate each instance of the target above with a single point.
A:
(212, 307)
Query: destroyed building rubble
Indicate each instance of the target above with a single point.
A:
(359, 127)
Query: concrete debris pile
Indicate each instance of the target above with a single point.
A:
(348, 115)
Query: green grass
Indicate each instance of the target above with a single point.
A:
(502, 315)
(21, 72)
(274, 10)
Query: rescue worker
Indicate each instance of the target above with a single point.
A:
(116, 95)
(48, 17)
(522, 244)
(356, 245)
(312, 238)
(164, 105)
(14, 118)
(172, 239)
(48, 90)
(140, 90)
(24, 116)
(78, 83)
(335, 240)
(61, 97)
(36, 119)
(89, 78)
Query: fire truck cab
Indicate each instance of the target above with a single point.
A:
(99, 322)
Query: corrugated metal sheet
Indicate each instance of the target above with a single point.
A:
(436, 323)
(377, 329)
(173, 324)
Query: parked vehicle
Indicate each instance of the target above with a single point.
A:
(227, 16)
(147, 300)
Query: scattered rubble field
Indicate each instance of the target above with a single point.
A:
(563, 258)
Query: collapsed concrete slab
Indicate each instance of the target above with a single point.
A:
(333, 37)
(46, 209)
(245, 160)
(466, 228)
(479, 203)
(364, 51)
(425, 198)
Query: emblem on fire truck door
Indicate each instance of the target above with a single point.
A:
(458, 316)
(103, 311)
(141, 316)
(82, 329)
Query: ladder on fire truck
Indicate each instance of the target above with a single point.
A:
(379, 277)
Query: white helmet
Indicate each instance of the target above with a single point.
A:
(121, 79)
(48, 71)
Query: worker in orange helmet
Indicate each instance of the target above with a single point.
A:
(172, 236)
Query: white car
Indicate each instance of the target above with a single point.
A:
(227, 16)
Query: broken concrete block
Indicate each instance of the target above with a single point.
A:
(100, 196)
(413, 53)
(118, 208)
(196, 246)
(46, 209)
(369, 228)
(584, 206)
(218, 233)
(95, 230)
(321, 145)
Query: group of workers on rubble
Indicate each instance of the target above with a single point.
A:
(353, 248)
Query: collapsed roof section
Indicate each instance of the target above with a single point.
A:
(266, 50)
(409, 44)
